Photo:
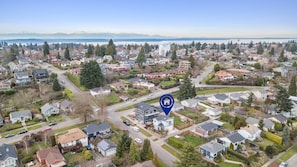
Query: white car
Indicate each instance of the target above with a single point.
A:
(136, 128)
(283, 164)
(137, 140)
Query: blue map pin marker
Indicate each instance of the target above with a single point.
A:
(166, 103)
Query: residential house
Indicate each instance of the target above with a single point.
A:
(212, 112)
(212, 149)
(206, 128)
(191, 103)
(117, 86)
(177, 107)
(49, 109)
(94, 130)
(51, 157)
(260, 95)
(41, 75)
(268, 124)
(107, 58)
(238, 98)
(239, 72)
(1, 121)
(293, 113)
(4, 85)
(252, 121)
(153, 75)
(66, 105)
(15, 68)
(118, 68)
(72, 137)
(3, 70)
(184, 64)
(20, 116)
(219, 99)
(138, 82)
(145, 113)
(8, 156)
(233, 138)
(65, 64)
(224, 76)
(106, 147)
(102, 91)
(250, 132)
(23, 61)
(163, 123)
(280, 118)
(22, 78)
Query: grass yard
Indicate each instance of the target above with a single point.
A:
(167, 83)
(12, 132)
(171, 150)
(209, 77)
(56, 118)
(127, 108)
(74, 159)
(177, 121)
(228, 126)
(82, 125)
(193, 115)
(147, 134)
(34, 127)
(112, 99)
(195, 141)
(69, 94)
(288, 154)
(226, 164)
(221, 90)
(265, 142)
(155, 139)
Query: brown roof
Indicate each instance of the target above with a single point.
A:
(51, 155)
(71, 135)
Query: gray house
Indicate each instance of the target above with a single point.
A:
(206, 128)
(49, 109)
(40, 75)
(212, 149)
(106, 147)
(8, 156)
(146, 113)
(22, 78)
(93, 130)
(20, 116)
(66, 105)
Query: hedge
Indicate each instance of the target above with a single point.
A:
(238, 155)
(174, 142)
(275, 138)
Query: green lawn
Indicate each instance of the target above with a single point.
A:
(265, 142)
(56, 118)
(288, 154)
(177, 121)
(12, 132)
(155, 139)
(195, 141)
(74, 159)
(82, 125)
(226, 164)
(147, 134)
(69, 93)
(197, 117)
(112, 99)
(167, 83)
(221, 90)
(228, 126)
(171, 150)
(127, 108)
(34, 127)
(76, 81)
(209, 77)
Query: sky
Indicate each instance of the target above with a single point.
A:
(174, 18)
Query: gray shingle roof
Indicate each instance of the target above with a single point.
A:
(7, 151)
(280, 117)
(235, 137)
(94, 128)
(143, 106)
(208, 126)
(106, 144)
(268, 123)
(221, 96)
(213, 147)
(23, 113)
(46, 107)
(162, 117)
(251, 120)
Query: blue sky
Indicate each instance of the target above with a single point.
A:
(179, 18)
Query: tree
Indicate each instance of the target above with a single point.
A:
(141, 58)
(269, 151)
(192, 60)
(90, 51)
(102, 50)
(260, 49)
(133, 154)
(91, 75)
(292, 87)
(82, 108)
(58, 56)
(257, 66)
(97, 50)
(282, 57)
(286, 135)
(124, 145)
(53, 76)
(283, 101)
(250, 99)
(223, 46)
(111, 48)
(216, 68)
(174, 56)
(146, 152)
(190, 157)
(67, 54)
(186, 90)
(261, 124)
(250, 44)
(45, 49)
(271, 52)
(56, 85)
(294, 64)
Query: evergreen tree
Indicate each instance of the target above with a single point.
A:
(146, 152)
(282, 57)
(190, 157)
(111, 49)
(124, 145)
(283, 101)
(261, 124)
(90, 51)
(91, 75)
(186, 54)
(67, 54)
(286, 135)
(216, 68)
(223, 46)
(174, 56)
(198, 46)
(294, 64)
(45, 49)
(97, 50)
(250, 100)
(260, 49)
(250, 44)
(186, 90)
(102, 50)
(141, 58)
(56, 85)
(58, 56)
(192, 60)
(133, 154)
(271, 52)
(147, 48)
(204, 45)
(292, 87)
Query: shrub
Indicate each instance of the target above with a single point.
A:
(275, 138)
(269, 150)
(174, 142)
(132, 92)
(88, 155)
(278, 126)
(238, 155)
(27, 158)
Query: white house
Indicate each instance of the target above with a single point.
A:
(107, 147)
(108, 58)
(220, 99)
(250, 132)
(49, 109)
(233, 138)
(8, 156)
(102, 91)
(212, 112)
(191, 103)
(163, 123)
(20, 116)
(72, 137)
(177, 107)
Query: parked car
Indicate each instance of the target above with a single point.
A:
(136, 128)
(22, 132)
(138, 140)
(283, 164)
(133, 100)
(127, 122)
(9, 135)
(52, 124)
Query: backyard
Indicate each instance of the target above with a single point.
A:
(56, 118)
(167, 84)
(195, 116)
(221, 90)
(112, 99)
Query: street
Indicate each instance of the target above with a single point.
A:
(292, 162)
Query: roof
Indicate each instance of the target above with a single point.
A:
(93, 128)
(65, 103)
(7, 151)
(21, 74)
(71, 135)
(213, 147)
(208, 126)
(280, 117)
(201, 98)
(235, 137)
(143, 106)
(40, 71)
(136, 80)
(24, 113)
(251, 129)
(162, 118)
(221, 96)
(268, 123)
(251, 120)
(191, 101)
(51, 155)
(106, 144)
(45, 107)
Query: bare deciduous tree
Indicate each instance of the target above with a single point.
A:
(101, 102)
(83, 108)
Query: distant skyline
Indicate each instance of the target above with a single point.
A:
(171, 18)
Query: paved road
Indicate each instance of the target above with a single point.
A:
(292, 162)
(203, 75)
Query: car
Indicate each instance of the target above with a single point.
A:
(138, 140)
(9, 135)
(133, 100)
(52, 124)
(22, 132)
(127, 122)
(136, 128)
(63, 82)
(283, 164)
